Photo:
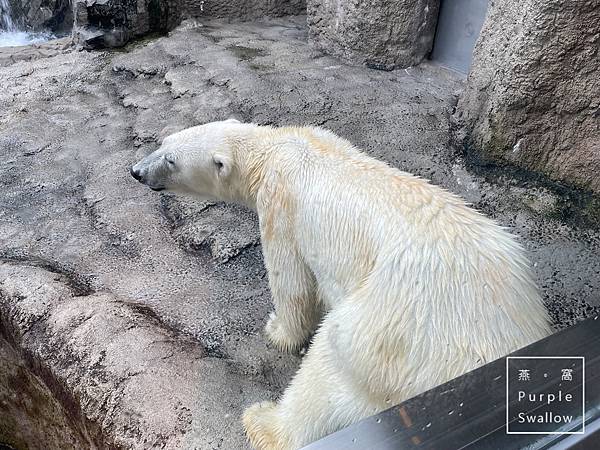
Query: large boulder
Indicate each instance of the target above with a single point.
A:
(381, 34)
(531, 99)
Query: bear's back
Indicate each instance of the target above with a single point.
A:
(356, 217)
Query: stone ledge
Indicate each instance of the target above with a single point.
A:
(128, 379)
(11, 55)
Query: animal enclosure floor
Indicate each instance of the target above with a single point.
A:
(147, 310)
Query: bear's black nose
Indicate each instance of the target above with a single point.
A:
(135, 174)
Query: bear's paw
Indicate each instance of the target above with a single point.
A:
(282, 337)
(260, 426)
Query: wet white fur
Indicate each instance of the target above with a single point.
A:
(416, 287)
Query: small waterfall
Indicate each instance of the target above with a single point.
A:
(6, 23)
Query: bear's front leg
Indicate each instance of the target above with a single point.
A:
(293, 288)
(293, 285)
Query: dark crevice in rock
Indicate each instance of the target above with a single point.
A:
(202, 230)
(577, 208)
(114, 240)
(183, 339)
(52, 356)
(31, 417)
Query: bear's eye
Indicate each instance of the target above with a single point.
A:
(170, 159)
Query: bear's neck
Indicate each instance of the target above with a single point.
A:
(251, 154)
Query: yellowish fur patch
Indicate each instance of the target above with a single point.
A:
(259, 425)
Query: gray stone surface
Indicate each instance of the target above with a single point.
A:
(533, 95)
(381, 34)
(10, 55)
(144, 312)
(243, 9)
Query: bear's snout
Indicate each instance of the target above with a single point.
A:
(135, 173)
(141, 175)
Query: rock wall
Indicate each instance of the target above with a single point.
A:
(382, 34)
(532, 98)
(37, 15)
(112, 23)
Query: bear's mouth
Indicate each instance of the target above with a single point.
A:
(157, 188)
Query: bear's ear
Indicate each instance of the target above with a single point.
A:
(222, 165)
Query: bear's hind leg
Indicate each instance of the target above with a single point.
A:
(260, 425)
(322, 398)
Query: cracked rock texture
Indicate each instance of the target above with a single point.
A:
(532, 98)
(381, 34)
(141, 314)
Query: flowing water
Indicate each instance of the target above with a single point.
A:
(10, 35)
(16, 38)
(6, 23)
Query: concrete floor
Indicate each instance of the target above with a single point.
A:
(143, 312)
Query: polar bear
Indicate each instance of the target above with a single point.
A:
(405, 285)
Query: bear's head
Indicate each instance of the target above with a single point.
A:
(197, 160)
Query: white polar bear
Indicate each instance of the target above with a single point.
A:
(416, 287)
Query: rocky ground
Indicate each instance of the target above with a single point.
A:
(142, 313)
